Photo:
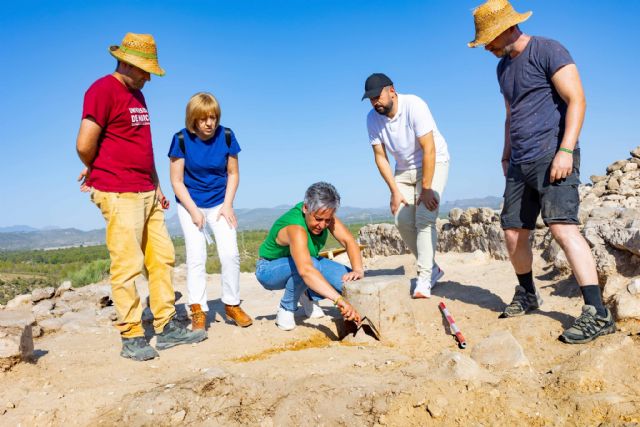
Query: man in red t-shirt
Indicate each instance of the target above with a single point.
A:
(114, 143)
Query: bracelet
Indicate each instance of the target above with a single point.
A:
(338, 299)
(566, 150)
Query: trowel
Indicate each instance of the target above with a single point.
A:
(367, 326)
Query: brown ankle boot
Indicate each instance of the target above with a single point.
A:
(235, 313)
(198, 317)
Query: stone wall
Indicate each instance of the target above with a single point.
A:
(610, 214)
(464, 231)
(381, 240)
(471, 230)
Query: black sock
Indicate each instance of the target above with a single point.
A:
(526, 281)
(591, 295)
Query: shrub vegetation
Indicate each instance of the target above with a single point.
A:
(23, 271)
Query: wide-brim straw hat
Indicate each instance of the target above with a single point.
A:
(493, 18)
(138, 50)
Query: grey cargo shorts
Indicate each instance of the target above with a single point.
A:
(529, 192)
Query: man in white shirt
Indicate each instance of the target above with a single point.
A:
(403, 125)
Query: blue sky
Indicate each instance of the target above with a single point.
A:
(289, 76)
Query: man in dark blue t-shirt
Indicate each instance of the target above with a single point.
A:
(541, 160)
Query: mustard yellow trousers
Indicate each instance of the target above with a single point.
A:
(137, 238)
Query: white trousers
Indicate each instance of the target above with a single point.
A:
(417, 226)
(196, 247)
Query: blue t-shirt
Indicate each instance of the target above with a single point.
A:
(537, 110)
(205, 165)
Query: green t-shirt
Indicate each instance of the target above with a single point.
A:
(270, 249)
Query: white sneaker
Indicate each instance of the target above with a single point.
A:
(423, 288)
(436, 274)
(311, 308)
(285, 319)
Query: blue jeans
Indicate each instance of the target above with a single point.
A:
(282, 273)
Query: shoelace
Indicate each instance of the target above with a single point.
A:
(519, 299)
(586, 323)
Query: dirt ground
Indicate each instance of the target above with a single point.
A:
(267, 377)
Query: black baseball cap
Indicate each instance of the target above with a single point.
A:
(374, 85)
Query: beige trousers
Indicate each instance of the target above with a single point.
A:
(417, 225)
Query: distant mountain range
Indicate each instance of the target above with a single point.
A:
(492, 202)
(17, 229)
(26, 229)
(49, 239)
(23, 237)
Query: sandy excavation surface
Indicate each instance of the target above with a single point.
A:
(263, 376)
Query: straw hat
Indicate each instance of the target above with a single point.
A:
(493, 18)
(138, 50)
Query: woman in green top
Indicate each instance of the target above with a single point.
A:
(289, 257)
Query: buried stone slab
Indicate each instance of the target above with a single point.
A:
(501, 351)
(384, 301)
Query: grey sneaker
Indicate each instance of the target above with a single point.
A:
(588, 326)
(174, 333)
(522, 303)
(137, 349)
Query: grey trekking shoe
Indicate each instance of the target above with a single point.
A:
(137, 349)
(522, 303)
(588, 326)
(175, 333)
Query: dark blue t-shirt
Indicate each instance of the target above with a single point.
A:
(205, 165)
(537, 111)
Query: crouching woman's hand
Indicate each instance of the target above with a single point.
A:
(347, 310)
(353, 275)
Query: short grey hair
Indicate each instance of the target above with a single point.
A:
(321, 195)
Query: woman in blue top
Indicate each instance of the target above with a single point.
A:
(205, 176)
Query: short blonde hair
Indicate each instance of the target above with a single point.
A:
(200, 106)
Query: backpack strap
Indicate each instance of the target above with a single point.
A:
(227, 136)
(181, 142)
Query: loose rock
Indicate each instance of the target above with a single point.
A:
(64, 287)
(43, 309)
(39, 294)
(178, 416)
(19, 302)
(437, 407)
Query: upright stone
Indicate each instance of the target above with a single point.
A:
(385, 301)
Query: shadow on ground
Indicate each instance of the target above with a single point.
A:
(37, 354)
(564, 319)
(386, 272)
(469, 294)
(481, 297)
(567, 288)
(325, 330)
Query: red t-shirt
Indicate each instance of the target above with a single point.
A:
(125, 155)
